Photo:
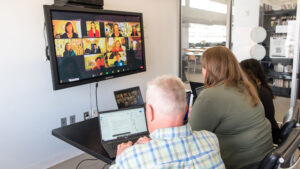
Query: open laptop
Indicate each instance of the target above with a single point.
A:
(129, 97)
(196, 89)
(123, 125)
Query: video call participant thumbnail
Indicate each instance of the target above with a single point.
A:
(116, 31)
(100, 64)
(66, 29)
(118, 61)
(117, 47)
(93, 32)
(94, 45)
(134, 31)
(69, 32)
(68, 50)
(69, 70)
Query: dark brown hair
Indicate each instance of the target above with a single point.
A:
(223, 68)
(67, 24)
(256, 73)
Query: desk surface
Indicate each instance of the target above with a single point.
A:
(84, 135)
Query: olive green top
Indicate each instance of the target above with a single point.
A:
(244, 133)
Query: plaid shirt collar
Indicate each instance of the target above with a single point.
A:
(172, 132)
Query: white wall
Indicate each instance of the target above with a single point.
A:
(245, 17)
(30, 109)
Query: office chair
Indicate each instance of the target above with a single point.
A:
(284, 155)
(196, 88)
(291, 121)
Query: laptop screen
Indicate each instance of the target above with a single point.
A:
(122, 123)
(188, 101)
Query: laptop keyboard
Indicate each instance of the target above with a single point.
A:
(114, 145)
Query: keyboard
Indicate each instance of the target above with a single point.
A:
(114, 145)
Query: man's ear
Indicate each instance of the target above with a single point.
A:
(150, 112)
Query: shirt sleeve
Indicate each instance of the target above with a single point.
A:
(205, 114)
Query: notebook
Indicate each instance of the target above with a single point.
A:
(123, 125)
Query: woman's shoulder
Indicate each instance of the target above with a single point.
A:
(64, 35)
(221, 93)
(212, 90)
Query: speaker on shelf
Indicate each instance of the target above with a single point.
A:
(86, 3)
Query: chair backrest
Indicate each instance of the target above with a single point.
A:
(286, 129)
(282, 155)
(287, 158)
(192, 57)
(290, 121)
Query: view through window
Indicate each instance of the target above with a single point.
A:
(203, 26)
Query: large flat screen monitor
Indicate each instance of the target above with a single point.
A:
(90, 45)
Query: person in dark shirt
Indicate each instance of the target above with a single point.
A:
(68, 50)
(134, 31)
(87, 51)
(257, 76)
(69, 32)
(95, 49)
(116, 32)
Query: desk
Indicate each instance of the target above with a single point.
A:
(84, 135)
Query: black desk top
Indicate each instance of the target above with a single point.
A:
(84, 135)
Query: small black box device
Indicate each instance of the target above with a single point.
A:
(87, 3)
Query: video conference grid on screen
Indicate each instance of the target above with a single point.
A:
(90, 45)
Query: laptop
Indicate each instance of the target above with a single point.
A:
(196, 89)
(129, 97)
(123, 125)
(189, 97)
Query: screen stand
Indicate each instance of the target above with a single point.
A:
(94, 4)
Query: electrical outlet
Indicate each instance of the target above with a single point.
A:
(63, 121)
(86, 115)
(95, 113)
(72, 119)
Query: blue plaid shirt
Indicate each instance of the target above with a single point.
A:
(176, 147)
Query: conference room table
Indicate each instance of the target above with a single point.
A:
(85, 136)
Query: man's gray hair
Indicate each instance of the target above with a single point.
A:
(167, 94)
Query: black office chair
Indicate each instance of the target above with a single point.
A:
(196, 89)
(291, 121)
(284, 155)
(286, 129)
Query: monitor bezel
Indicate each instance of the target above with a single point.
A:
(51, 43)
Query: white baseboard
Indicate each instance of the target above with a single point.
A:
(56, 159)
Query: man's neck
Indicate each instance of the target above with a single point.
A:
(174, 122)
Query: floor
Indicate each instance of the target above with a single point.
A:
(72, 163)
